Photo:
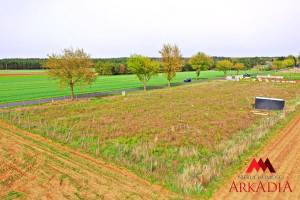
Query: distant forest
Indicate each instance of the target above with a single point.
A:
(119, 64)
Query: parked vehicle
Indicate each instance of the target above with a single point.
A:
(187, 80)
(246, 75)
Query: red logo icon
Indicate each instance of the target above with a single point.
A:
(260, 164)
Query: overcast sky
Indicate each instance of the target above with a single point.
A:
(118, 28)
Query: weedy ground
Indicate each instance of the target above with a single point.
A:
(180, 137)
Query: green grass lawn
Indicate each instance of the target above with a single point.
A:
(291, 76)
(23, 88)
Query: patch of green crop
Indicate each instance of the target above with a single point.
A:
(12, 195)
(33, 87)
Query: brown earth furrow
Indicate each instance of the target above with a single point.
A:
(100, 162)
(61, 168)
(86, 171)
(50, 175)
(283, 153)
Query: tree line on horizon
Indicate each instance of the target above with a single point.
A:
(115, 66)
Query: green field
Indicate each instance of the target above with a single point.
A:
(22, 71)
(291, 76)
(23, 88)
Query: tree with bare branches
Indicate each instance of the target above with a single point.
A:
(71, 68)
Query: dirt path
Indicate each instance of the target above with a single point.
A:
(33, 167)
(284, 155)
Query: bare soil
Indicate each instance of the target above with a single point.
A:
(283, 153)
(34, 167)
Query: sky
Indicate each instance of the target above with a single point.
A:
(119, 28)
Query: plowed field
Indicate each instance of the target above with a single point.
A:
(32, 167)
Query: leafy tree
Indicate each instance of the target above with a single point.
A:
(299, 59)
(143, 68)
(292, 61)
(224, 65)
(186, 67)
(201, 62)
(104, 68)
(280, 58)
(288, 62)
(171, 61)
(278, 64)
(115, 70)
(22, 63)
(99, 67)
(71, 68)
(251, 62)
(238, 67)
(123, 69)
(269, 66)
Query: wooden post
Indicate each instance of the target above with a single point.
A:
(40, 125)
(151, 169)
(212, 166)
(19, 120)
(53, 134)
(195, 179)
(98, 149)
(82, 141)
(47, 129)
(69, 135)
(28, 121)
(248, 140)
(256, 133)
(269, 117)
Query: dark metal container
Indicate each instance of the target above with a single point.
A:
(264, 103)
